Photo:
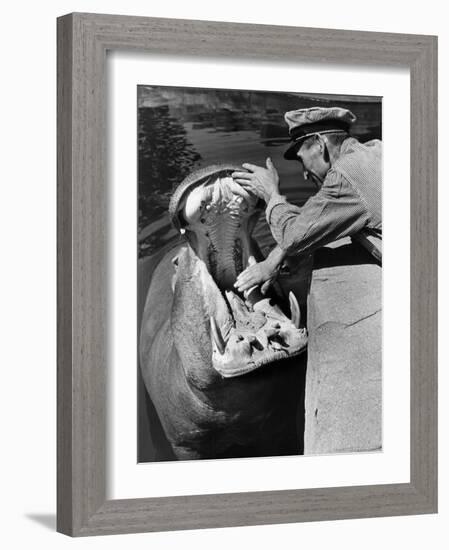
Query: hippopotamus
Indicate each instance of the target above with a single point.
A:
(221, 368)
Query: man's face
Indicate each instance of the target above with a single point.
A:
(314, 159)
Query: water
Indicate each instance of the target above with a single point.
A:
(182, 129)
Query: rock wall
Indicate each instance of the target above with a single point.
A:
(343, 395)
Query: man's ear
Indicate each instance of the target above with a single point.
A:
(320, 142)
(323, 147)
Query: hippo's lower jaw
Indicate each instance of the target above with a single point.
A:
(245, 334)
(261, 334)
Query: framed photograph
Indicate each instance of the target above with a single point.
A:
(238, 344)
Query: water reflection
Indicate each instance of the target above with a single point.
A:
(165, 158)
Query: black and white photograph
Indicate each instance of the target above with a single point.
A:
(259, 273)
(223, 232)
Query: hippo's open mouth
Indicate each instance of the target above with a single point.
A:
(218, 216)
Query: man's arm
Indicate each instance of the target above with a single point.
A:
(336, 211)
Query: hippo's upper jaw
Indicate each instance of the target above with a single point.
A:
(218, 216)
(246, 332)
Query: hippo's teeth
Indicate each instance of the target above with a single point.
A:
(294, 309)
(262, 338)
(216, 335)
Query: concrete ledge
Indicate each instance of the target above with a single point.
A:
(343, 396)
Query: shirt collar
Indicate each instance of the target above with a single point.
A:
(347, 144)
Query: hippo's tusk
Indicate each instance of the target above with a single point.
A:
(294, 309)
(216, 335)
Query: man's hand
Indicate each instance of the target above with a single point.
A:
(263, 273)
(263, 182)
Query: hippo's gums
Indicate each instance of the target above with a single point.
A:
(221, 368)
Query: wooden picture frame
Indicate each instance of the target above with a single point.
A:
(83, 40)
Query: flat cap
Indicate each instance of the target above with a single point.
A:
(303, 123)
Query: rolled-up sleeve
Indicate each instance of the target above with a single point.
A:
(336, 211)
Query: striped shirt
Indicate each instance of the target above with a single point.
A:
(349, 203)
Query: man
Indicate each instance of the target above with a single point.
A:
(348, 177)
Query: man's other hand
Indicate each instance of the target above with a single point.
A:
(257, 273)
(263, 182)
